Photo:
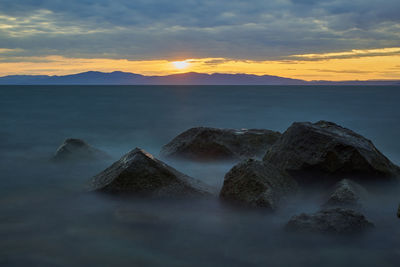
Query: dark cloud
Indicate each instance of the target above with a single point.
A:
(148, 29)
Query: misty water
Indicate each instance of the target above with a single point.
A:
(48, 219)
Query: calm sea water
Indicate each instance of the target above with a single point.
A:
(47, 219)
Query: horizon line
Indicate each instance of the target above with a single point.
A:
(202, 73)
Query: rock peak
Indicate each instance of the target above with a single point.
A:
(214, 144)
(331, 221)
(330, 152)
(139, 173)
(74, 149)
(75, 141)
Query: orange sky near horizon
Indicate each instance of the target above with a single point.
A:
(372, 64)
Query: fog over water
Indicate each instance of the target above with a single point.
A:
(48, 219)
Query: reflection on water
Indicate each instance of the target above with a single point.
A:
(47, 219)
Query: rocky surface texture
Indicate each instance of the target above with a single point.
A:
(208, 144)
(347, 193)
(325, 152)
(332, 221)
(256, 183)
(139, 173)
(78, 150)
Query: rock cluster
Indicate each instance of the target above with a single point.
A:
(321, 153)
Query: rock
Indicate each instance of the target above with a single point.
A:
(139, 173)
(347, 193)
(324, 152)
(208, 144)
(331, 221)
(76, 150)
(256, 183)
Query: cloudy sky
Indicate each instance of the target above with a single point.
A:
(307, 39)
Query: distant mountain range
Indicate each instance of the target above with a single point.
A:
(190, 78)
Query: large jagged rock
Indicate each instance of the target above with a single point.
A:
(139, 173)
(208, 144)
(78, 150)
(330, 221)
(256, 183)
(324, 152)
(347, 193)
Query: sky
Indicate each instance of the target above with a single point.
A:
(302, 39)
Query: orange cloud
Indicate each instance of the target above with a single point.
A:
(348, 65)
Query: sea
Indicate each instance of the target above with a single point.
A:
(48, 218)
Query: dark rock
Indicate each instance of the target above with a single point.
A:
(207, 144)
(324, 152)
(257, 184)
(77, 150)
(398, 212)
(139, 173)
(331, 221)
(347, 193)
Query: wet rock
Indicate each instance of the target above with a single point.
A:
(324, 152)
(330, 221)
(139, 173)
(78, 150)
(256, 183)
(347, 193)
(208, 144)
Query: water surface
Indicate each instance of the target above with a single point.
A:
(47, 219)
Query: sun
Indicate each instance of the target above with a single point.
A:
(181, 64)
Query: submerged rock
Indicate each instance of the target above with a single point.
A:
(139, 173)
(324, 152)
(331, 221)
(207, 144)
(77, 150)
(347, 193)
(257, 184)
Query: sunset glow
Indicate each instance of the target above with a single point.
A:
(308, 40)
(200, 133)
(180, 64)
(372, 64)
